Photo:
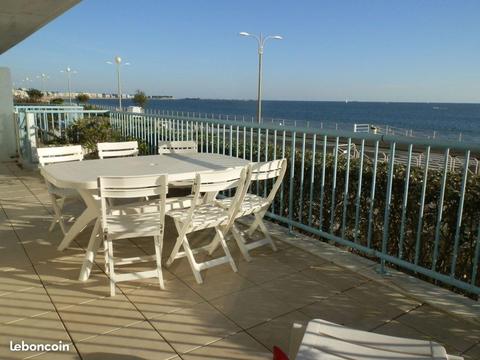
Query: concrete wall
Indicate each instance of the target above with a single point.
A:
(7, 129)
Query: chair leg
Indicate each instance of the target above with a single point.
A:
(105, 254)
(57, 210)
(191, 260)
(178, 244)
(111, 267)
(240, 243)
(263, 228)
(158, 254)
(225, 249)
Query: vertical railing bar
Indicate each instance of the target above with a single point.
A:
(345, 193)
(405, 201)
(238, 140)
(292, 179)
(322, 181)
(388, 203)
(274, 158)
(312, 179)
(244, 142)
(283, 187)
(422, 208)
(372, 195)
(440, 210)
(302, 178)
(259, 150)
(359, 192)
(265, 183)
(334, 185)
(230, 139)
(460, 213)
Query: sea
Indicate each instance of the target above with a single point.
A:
(446, 121)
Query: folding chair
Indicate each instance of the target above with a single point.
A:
(177, 147)
(257, 205)
(58, 196)
(209, 215)
(141, 220)
(117, 149)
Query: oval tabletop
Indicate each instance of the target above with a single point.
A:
(84, 174)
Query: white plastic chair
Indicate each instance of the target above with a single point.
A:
(177, 147)
(257, 205)
(133, 220)
(209, 215)
(58, 196)
(117, 149)
(326, 340)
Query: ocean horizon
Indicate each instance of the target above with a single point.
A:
(449, 121)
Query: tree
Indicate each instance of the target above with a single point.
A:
(34, 95)
(56, 101)
(140, 99)
(82, 98)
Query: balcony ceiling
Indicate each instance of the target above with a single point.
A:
(21, 18)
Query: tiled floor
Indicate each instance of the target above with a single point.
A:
(231, 316)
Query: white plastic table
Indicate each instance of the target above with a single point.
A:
(82, 176)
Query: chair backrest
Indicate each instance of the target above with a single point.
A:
(177, 147)
(117, 149)
(49, 155)
(216, 181)
(270, 170)
(132, 187)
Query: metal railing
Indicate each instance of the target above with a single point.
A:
(422, 216)
(40, 124)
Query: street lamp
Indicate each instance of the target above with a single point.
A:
(261, 43)
(118, 62)
(69, 71)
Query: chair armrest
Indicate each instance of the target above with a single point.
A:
(296, 336)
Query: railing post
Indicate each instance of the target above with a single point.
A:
(32, 138)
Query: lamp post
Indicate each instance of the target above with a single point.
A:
(261, 44)
(118, 62)
(69, 71)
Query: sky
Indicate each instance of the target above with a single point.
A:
(372, 50)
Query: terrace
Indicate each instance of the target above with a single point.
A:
(232, 315)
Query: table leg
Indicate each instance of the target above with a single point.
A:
(93, 245)
(90, 213)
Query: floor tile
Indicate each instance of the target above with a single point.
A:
(297, 290)
(264, 268)
(24, 304)
(46, 329)
(99, 316)
(237, 347)
(344, 310)
(448, 330)
(251, 307)
(139, 341)
(153, 301)
(193, 327)
(277, 331)
(334, 276)
(219, 283)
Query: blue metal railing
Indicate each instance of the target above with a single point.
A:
(35, 124)
(360, 190)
